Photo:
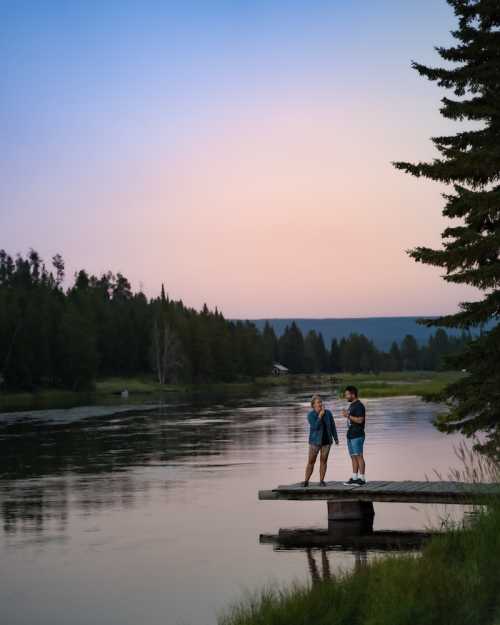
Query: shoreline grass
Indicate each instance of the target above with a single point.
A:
(454, 580)
(384, 384)
(108, 391)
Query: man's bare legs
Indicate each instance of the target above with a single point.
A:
(358, 464)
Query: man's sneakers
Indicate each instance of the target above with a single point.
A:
(351, 482)
(305, 484)
(322, 483)
(359, 481)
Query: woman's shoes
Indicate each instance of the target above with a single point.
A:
(306, 484)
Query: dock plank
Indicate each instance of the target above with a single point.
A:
(403, 491)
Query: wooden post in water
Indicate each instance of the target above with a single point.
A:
(349, 518)
(350, 510)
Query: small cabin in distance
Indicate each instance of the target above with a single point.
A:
(279, 369)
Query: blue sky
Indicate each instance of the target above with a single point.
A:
(122, 123)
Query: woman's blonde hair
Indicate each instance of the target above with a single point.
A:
(314, 398)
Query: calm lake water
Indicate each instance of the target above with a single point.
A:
(152, 517)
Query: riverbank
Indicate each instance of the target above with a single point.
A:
(455, 580)
(109, 392)
(146, 389)
(383, 384)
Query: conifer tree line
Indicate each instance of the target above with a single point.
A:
(52, 336)
(358, 354)
(67, 337)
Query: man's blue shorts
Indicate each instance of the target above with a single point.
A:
(355, 445)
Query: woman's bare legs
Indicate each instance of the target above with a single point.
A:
(311, 461)
(323, 461)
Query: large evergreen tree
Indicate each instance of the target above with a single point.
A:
(334, 363)
(291, 348)
(409, 353)
(270, 345)
(470, 161)
(395, 360)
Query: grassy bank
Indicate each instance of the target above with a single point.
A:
(108, 391)
(384, 384)
(454, 581)
(388, 384)
(147, 388)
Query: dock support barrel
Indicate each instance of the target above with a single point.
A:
(350, 510)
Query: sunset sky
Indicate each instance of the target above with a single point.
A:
(238, 151)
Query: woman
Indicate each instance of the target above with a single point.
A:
(321, 435)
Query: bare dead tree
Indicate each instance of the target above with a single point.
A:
(167, 351)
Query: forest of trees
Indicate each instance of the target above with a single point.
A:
(56, 336)
(98, 327)
(357, 354)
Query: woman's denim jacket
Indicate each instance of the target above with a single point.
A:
(316, 428)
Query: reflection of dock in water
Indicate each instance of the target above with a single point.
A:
(319, 543)
(383, 540)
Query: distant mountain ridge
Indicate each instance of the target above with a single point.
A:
(381, 330)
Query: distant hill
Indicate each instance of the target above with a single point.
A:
(381, 330)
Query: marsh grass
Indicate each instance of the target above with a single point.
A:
(389, 384)
(383, 384)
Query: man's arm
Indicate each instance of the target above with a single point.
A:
(356, 419)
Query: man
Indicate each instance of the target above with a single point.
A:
(356, 418)
(322, 432)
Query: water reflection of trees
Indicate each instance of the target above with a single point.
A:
(48, 467)
(37, 506)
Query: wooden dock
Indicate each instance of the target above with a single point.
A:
(378, 491)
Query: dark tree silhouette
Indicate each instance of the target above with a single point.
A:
(470, 161)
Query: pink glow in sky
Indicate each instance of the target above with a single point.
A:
(253, 175)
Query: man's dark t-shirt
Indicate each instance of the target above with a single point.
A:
(356, 409)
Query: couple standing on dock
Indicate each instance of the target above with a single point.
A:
(323, 432)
